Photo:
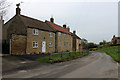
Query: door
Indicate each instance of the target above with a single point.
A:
(43, 46)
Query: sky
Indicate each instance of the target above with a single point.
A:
(94, 20)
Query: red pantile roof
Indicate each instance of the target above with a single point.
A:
(34, 23)
(59, 28)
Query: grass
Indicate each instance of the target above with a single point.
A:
(65, 57)
(113, 51)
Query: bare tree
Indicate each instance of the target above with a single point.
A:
(3, 7)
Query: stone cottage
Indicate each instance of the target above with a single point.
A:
(28, 35)
(115, 40)
(25, 35)
(63, 37)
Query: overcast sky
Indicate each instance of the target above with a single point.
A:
(94, 21)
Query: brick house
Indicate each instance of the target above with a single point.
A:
(115, 40)
(25, 35)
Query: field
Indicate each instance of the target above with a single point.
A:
(113, 51)
(62, 57)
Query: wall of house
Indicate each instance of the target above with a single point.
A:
(74, 43)
(14, 26)
(78, 42)
(18, 44)
(118, 41)
(66, 42)
(42, 36)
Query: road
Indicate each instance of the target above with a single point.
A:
(95, 65)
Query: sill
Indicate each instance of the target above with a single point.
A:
(35, 47)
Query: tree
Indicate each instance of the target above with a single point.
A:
(3, 7)
(91, 45)
(84, 43)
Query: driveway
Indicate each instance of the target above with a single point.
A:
(95, 65)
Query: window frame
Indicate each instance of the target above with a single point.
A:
(35, 44)
(50, 34)
(59, 33)
(64, 34)
(35, 31)
(59, 43)
(50, 45)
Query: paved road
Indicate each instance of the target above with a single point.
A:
(95, 65)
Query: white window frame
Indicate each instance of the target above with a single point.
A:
(59, 43)
(50, 44)
(35, 44)
(50, 34)
(35, 31)
(59, 33)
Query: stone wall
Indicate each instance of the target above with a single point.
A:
(66, 42)
(13, 26)
(78, 42)
(42, 36)
(18, 44)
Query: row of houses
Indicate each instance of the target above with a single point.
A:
(26, 35)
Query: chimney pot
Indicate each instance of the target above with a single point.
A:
(64, 25)
(52, 19)
(68, 28)
(18, 10)
(74, 32)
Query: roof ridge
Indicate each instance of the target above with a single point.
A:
(32, 18)
(59, 26)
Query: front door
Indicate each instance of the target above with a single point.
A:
(43, 46)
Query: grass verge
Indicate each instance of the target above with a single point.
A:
(113, 51)
(65, 57)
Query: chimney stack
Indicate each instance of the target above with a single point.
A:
(52, 19)
(64, 25)
(68, 28)
(18, 10)
(2, 20)
(74, 32)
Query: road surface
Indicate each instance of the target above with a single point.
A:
(95, 65)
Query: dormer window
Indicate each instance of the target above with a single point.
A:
(50, 34)
(35, 31)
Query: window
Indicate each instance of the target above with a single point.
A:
(50, 44)
(35, 31)
(35, 44)
(59, 43)
(59, 33)
(64, 43)
(50, 34)
(64, 35)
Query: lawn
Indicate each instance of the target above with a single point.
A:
(113, 51)
(64, 57)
